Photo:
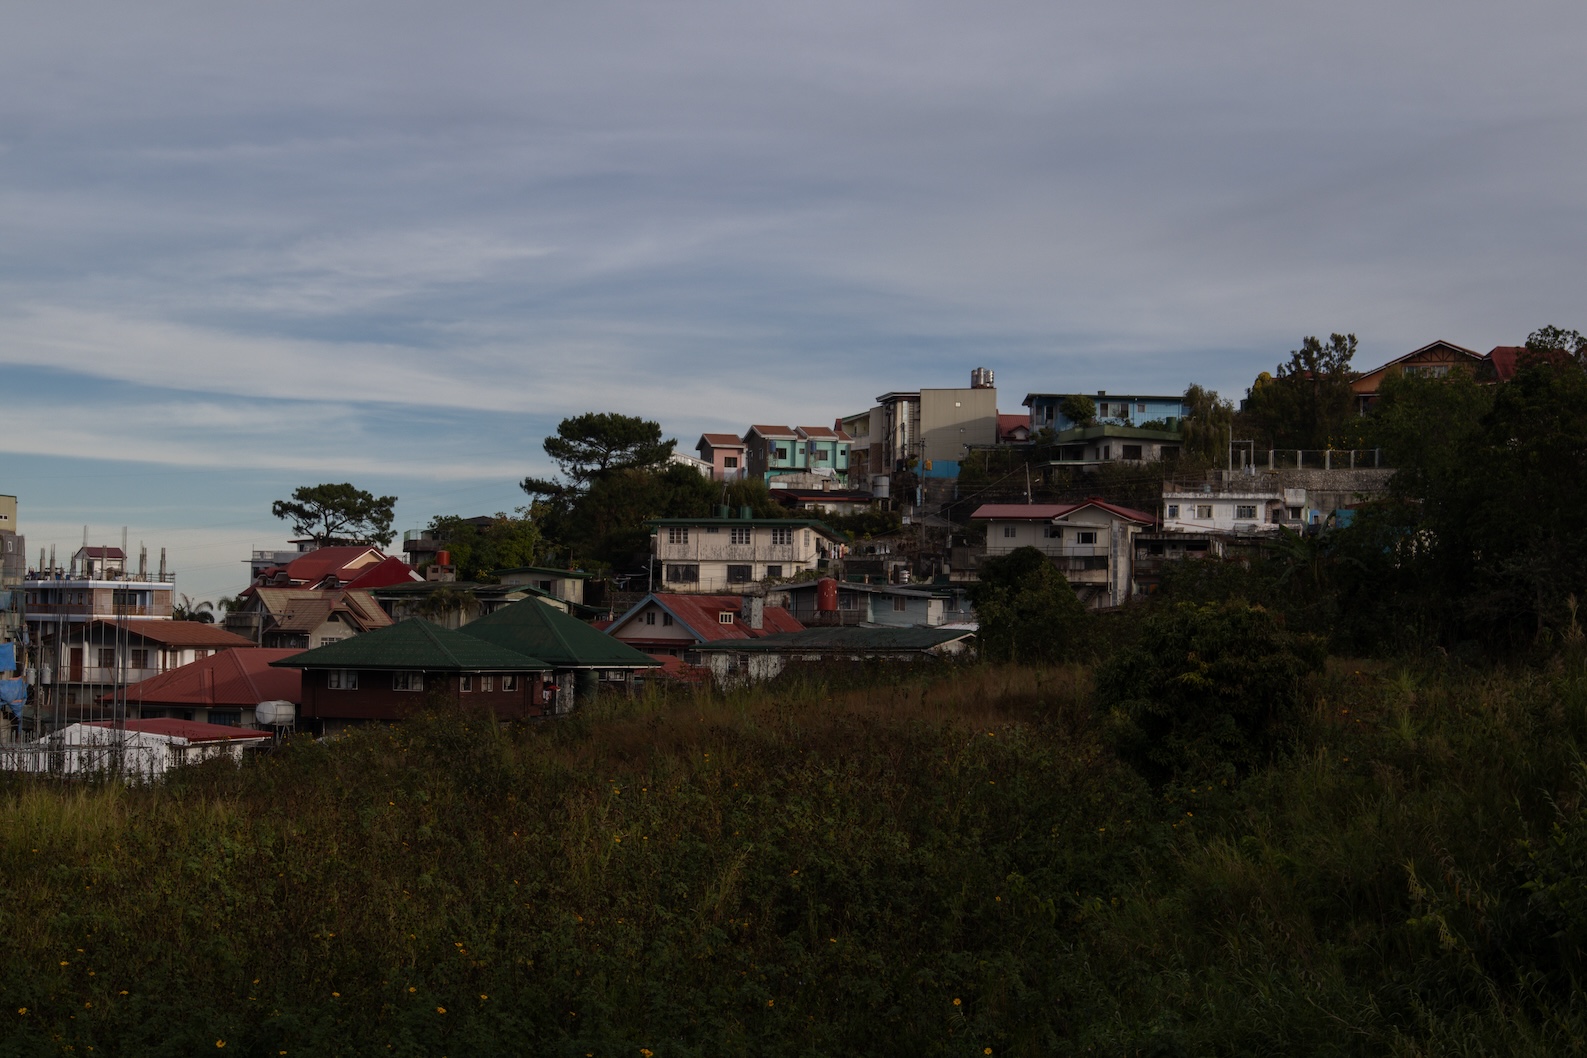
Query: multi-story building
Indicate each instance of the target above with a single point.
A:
(1046, 409)
(714, 555)
(774, 451)
(725, 453)
(96, 586)
(1092, 543)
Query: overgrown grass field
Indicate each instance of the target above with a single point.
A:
(953, 863)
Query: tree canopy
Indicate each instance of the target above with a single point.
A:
(478, 551)
(1027, 610)
(590, 446)
(1309, 401)
(338, 514)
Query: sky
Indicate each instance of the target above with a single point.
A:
(245, 248)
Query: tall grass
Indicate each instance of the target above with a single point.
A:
(933, 862)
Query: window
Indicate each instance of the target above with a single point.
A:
(140, 659)
(1107, 451)
(783, 537)
(1010, 532)
(341, 680)
(1294, 514)
(650, 617)
(107, 657)
(1140, 409)
(730, 462)
(782, 453)
(1204, 510)
(325, 640)
(1427, 371)
(739, 574)
(1052, 532)
(487, 683)
(407, 681)
(725, 617)
(738, 535)
(1245, 510)
(678, 535)
(225, 718)
(1085, 536)
(773, 571)
(689, 574)
(900, 604)
(666, 620)
(509, 683)
(465, 684)
(1130, 452)
(818, 456)
(1173, 510)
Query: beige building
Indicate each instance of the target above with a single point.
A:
(1092, 543)
(715, 555)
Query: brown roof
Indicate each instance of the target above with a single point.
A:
(179, 633)
(192, 730)
(700, 614)
(721, 440)
(304, 609)
(772, 431)
(823, 432)
(1503, 358)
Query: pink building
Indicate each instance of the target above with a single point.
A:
(725, 453)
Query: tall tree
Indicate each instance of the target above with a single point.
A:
(1206, 428)
(1027, 610)
(338, 514)
(592, 445)
(477, 551)
(1307, 404)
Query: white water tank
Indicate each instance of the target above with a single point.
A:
(277, 713)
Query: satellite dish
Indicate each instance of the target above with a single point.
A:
(276, 713)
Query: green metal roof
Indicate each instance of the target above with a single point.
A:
(416, 644)
(532, 627)
(577, 574)
(844, 638)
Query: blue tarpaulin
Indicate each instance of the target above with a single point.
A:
(8, 657)
(14, 693)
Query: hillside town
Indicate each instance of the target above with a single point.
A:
(859, 541)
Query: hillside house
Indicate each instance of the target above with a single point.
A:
(1092, 543)
(666, 624)
(713, 555)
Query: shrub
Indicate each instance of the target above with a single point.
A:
(1211, 691)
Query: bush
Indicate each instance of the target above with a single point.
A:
(1211, 691)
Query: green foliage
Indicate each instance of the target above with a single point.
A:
(867, 523)
(338, 514)
(1208, 421)
(1210, 692)
(588, 447)
(1308, 403)
(187, 610)
(478, 551)
(1079, 409)
(1027, 611)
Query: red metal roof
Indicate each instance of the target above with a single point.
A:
(772, 431)
(701, 615)
(821, 432)
(1007, 424)
(383, 574)
(191, 730)
(1503, 359)
(241, 677)
(179, 633)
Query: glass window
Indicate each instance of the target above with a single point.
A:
(773, 571)
(465, 684)
(730, 462)
(650, 617)
(487, 683)
(1245, 510)
(782, 536)
(739, 535)
(1085, 536)
(1173, 510)
(1204, 510)
(341, 680)
(509, 683)
(738, 574)
(725, 617)
(1010, 532)
(407, 681)
(678, 535)
(683, 574)
(900, 604)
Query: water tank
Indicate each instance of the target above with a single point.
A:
(827, 595)
(981, 378)
(276, 713)
(443, 558)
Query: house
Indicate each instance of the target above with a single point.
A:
(666, 624)
(344, 566)
(1013, 429)
(1500, 363)
(725, 453)
(747, 661)
(1433, 360)
(1091, 542)
(82, 663)
(453, 604)
(394, 672)
(304, 618)
(96, 585)
(1254, 503)
(713, 555)
(139, 750)
(221, 689)
(567, 585)
(771, 450)
(1108, 443)
(828, 602)
(1128, 409)
(582, 659)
